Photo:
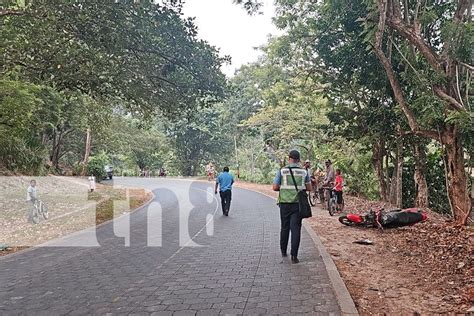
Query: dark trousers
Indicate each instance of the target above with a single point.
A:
(226, 196)
(290, 221)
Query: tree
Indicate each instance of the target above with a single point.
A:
(441, 39)
(409, 43)
(139, 58)
(141, 52)
(324, 43)
(200, 137)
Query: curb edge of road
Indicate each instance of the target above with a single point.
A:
(44, 244)
(343, 297)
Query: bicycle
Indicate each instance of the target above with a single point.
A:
(313, 195)
(313, 198)
(333, 207)
(37, 211)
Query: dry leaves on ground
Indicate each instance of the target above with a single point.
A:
(426, 268)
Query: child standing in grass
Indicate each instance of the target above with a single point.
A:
(31, 197)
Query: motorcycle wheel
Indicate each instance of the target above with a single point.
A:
(344, 220)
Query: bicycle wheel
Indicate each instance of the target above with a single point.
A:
(35, 215)
(311, 198)
(315, 198)
(332, 207)
(321, 198)
(44, 211)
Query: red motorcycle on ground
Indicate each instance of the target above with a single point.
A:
(385, 219)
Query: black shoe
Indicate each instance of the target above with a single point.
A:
(284, 254)
(226, 213)
(294, 259)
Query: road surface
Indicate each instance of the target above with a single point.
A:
(178, 256)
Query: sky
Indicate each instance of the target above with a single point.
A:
(228, 27)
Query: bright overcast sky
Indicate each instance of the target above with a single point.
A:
(228, 27)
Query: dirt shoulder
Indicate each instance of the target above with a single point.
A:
(422, 269)
(70, 206)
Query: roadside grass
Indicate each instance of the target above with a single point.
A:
(77, 211)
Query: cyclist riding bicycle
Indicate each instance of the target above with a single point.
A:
(328, 183)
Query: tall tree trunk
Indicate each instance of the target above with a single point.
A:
(378, 148)
(457, 179)
(56, 149)
(389, 14)
(396, 184)
(87, 152)
(421, 199)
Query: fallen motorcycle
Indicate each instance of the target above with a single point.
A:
(385, 219)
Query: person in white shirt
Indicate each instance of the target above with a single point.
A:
(32, 194)
(31, 197)
(91, 183)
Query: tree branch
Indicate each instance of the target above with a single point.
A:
(423, 132)
(470, 67)
(414, 36)
(7, 12)
(394, 83)
(453, 103)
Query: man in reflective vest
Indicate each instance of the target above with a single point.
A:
(288, 202)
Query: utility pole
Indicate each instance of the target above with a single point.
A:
(236, 157)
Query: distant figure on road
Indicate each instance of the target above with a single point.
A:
(210, 172)
(162, 172)
(288, 202)
(224, 182)
(91, 183)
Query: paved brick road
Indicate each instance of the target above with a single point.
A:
(238, 270)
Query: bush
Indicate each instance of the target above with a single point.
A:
(96, 166)
(24, 155)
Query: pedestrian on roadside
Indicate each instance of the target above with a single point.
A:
(224, 183)
(338, 187)
(290, 217)
(307, 166)
(91, 183)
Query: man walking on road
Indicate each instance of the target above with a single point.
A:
(284, 182)
(225, 181)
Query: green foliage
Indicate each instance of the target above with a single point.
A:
(141, 52)
(21, 154)
(200, 137)
(436, 181)
(96, 166)
(69, 67)
(21, 122)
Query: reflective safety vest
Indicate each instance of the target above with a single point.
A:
(288, 193)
